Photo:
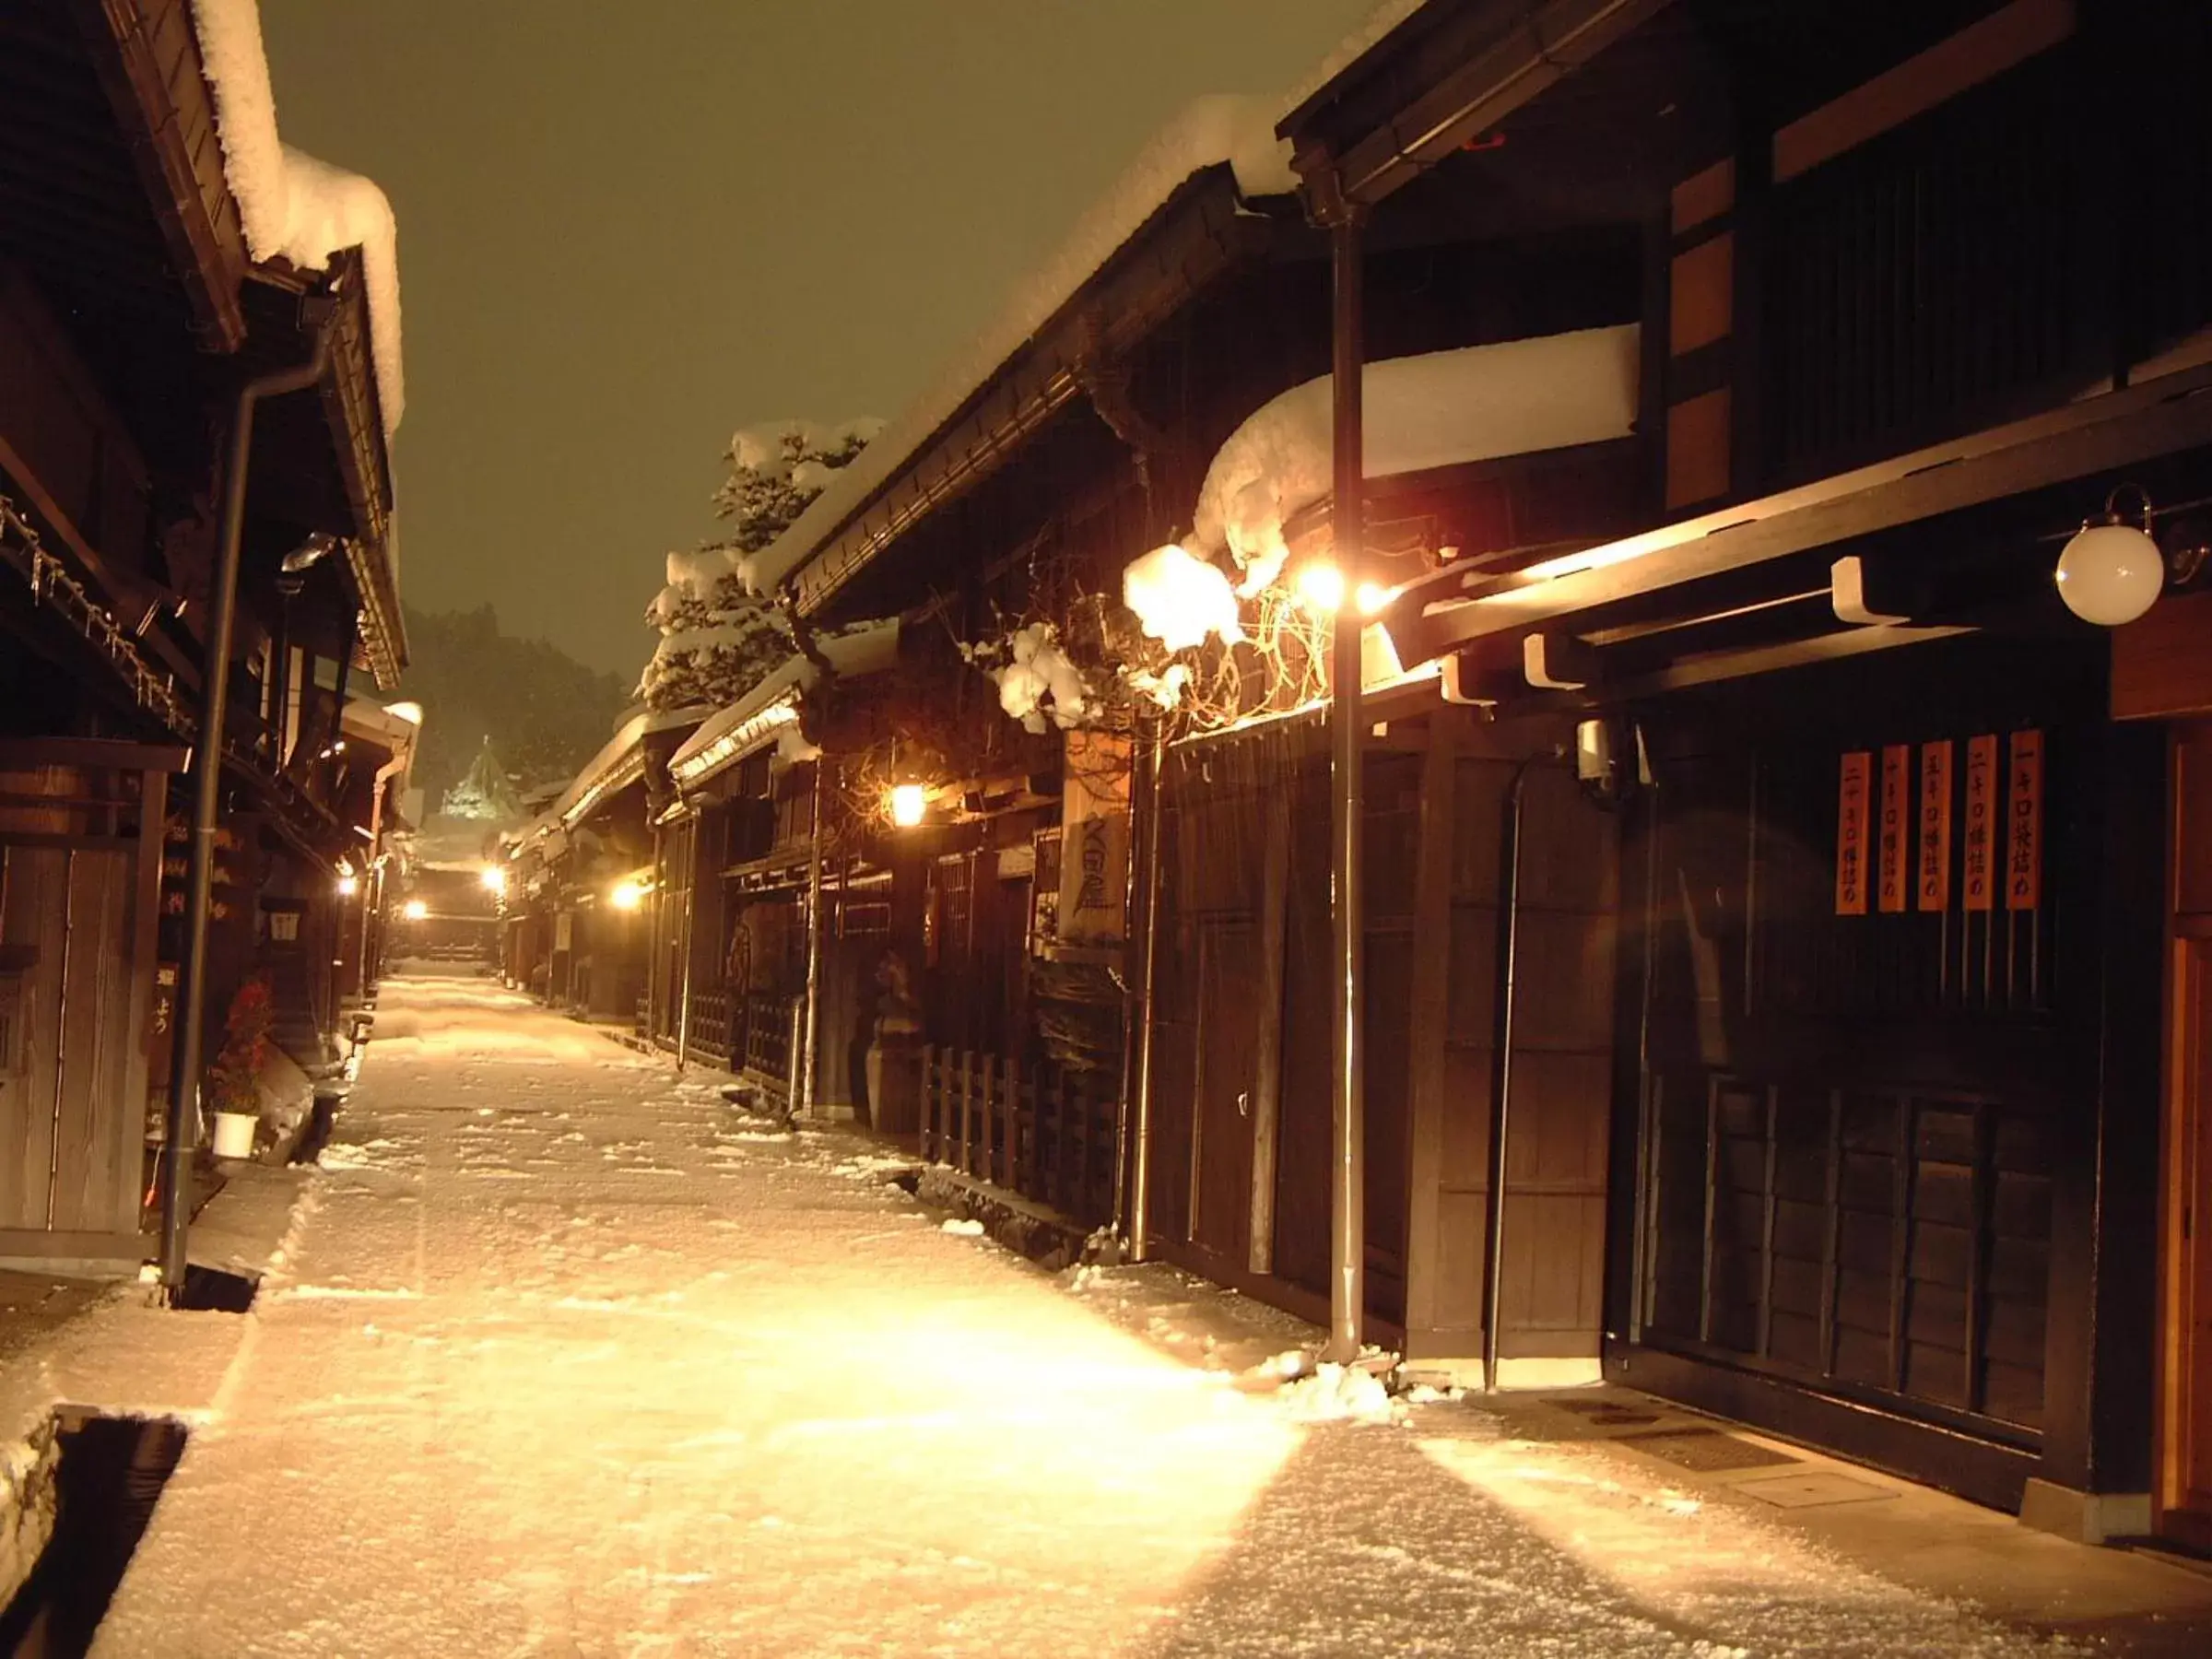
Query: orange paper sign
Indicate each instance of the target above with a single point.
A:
(1853, 814)
(1981, 822)
(1934, 883)
(1893, 879)
(2024, 824)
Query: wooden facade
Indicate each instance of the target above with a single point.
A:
(80, 849)
(129, 314)
(1840, 996)
(1889, 1076)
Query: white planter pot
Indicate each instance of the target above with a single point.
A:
(234, 1133)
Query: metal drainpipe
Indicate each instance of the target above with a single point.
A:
(207, 780)
(1493, 1264)
(1347, 1209)
(804, 1102)
(1140, 1155)
(655, 935)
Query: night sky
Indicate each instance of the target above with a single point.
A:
(628, 227)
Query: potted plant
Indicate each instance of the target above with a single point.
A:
(233, 1081)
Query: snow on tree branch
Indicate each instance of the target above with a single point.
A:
(718, 636)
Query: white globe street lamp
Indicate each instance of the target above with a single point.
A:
(2112, 571)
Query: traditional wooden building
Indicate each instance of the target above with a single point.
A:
(1904, 1076)
(578, 915)
(132, 312)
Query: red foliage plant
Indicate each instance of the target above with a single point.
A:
(234, 1075)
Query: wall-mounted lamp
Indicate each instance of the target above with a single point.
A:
(2112, 571)
(494, 878)
(1320, 586)
(627, 895)
(416, 910)
(909, 801)
(349, 886)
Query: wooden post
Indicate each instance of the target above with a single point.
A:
(1011, 1090)
(1429, 1020)
(987, 1110)
(967, 1160)
(1079, 1149)
(1267, 1067)
(1347, 1161)
(929, 1102)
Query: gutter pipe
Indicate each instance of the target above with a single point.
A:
(207, 770)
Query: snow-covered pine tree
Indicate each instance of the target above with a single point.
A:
(485, 791)
(718, 637)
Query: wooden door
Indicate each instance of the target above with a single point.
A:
(72, 1079)
(1228, 1044)
(2185, 1418)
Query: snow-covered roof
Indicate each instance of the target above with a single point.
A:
(1235, 130)
(620, 762)
(730, 735)
(1440, 409)
(290, 205)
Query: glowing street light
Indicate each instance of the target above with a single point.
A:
(349, 886)
(1370, 598)
(414, 909)
(627, 895)
(908, 804)
(494, 878)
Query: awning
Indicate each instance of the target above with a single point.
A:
(758, 718)
(1581, 600)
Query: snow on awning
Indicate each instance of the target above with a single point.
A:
(291, 205)
(1444, 408)
(761, 715)
(744, 728)
(619, 763)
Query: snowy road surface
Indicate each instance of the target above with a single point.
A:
(564, 1359)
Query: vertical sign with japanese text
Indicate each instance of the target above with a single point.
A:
(1932, 884)
(2024, 824)
(1981, 822)
(1853, 819)
(1892, 881)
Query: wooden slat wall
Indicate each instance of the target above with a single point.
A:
(1550, 1305)
(71, 1117)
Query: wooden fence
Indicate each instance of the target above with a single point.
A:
(1040, 1134)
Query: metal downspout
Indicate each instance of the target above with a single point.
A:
(207, 780)
(1493, 1263)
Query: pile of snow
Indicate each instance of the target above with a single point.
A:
(1038, 683)
(1238, 131)
(1181, 600)
(1338, 1394)
(1443, 408)
(290, 205)
(969, 1229)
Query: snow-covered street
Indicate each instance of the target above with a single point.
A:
(564, 1357)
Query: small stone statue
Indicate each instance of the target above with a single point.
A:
(897, 1015)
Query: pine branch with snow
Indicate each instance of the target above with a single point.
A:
(719, 638)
